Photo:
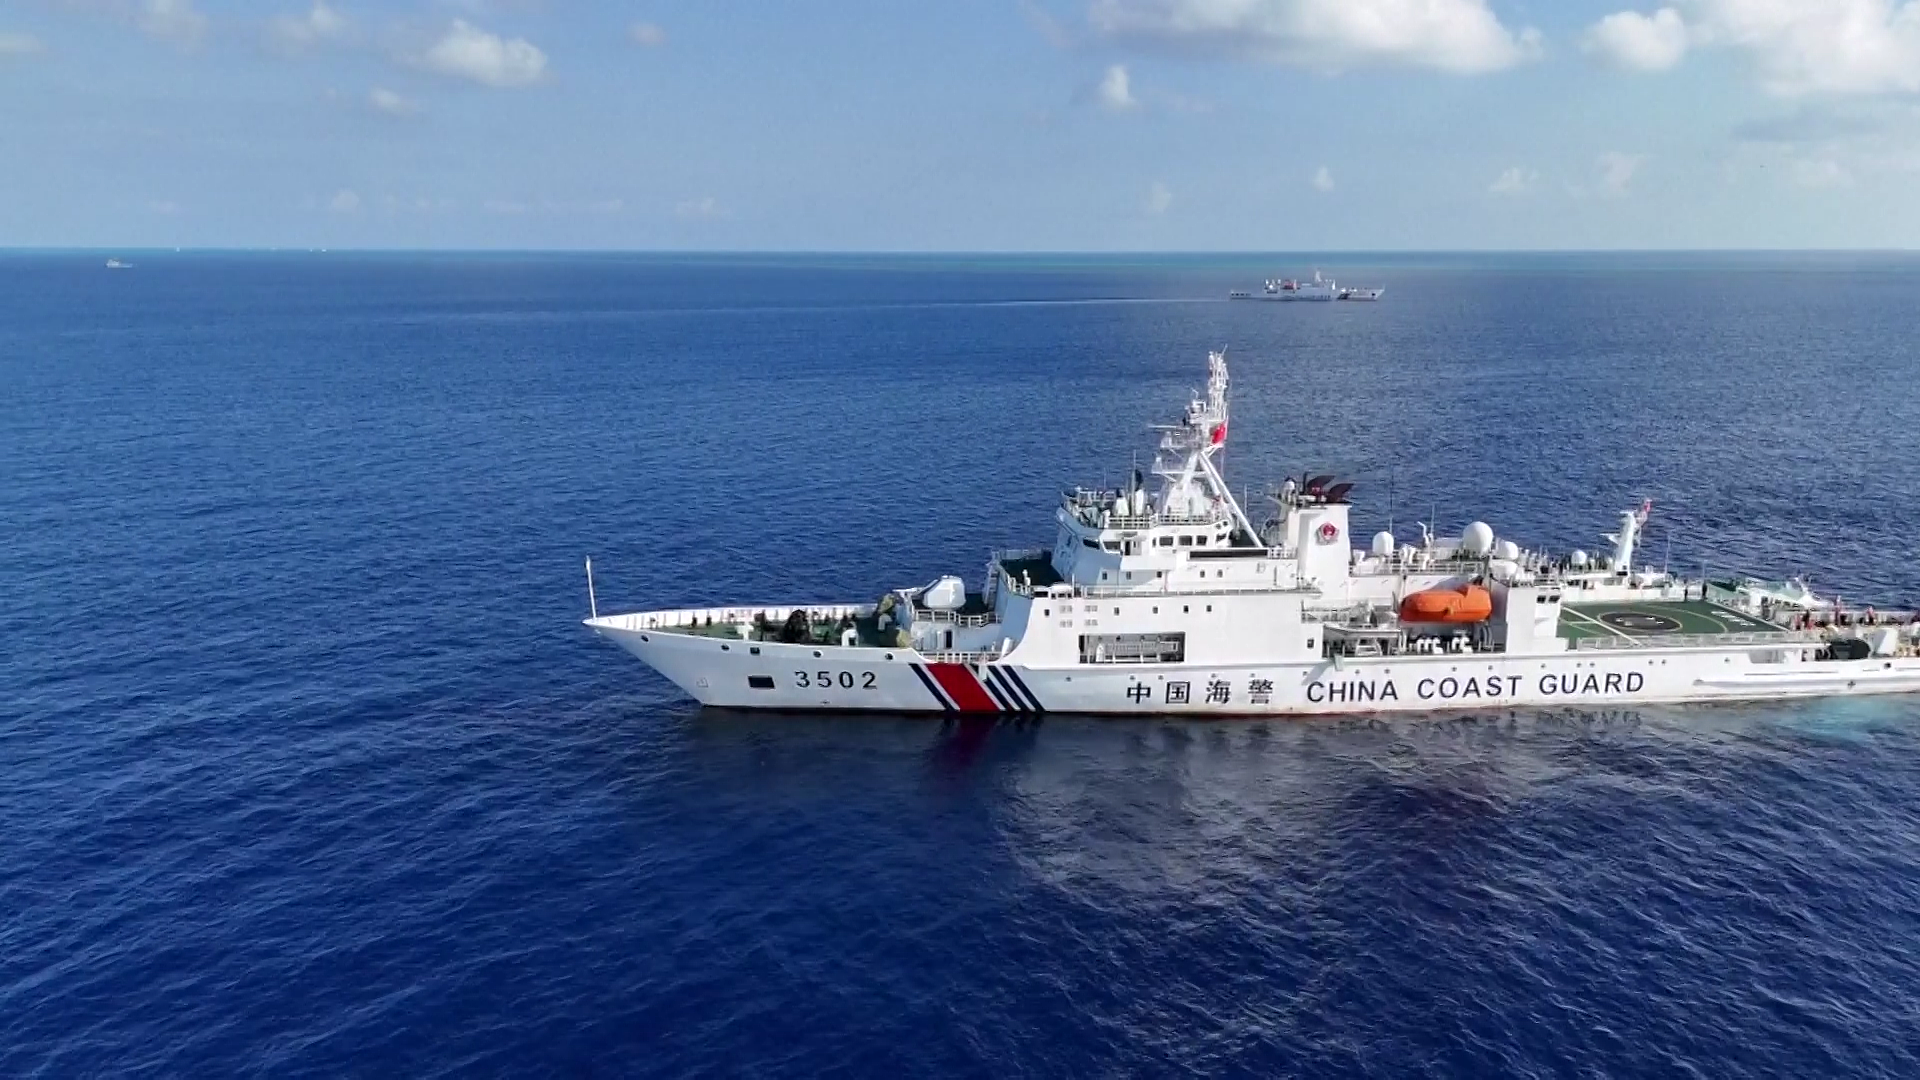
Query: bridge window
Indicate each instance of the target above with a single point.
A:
(1164, 541)
(760, 682)
(1186, 541)
(1200, 541)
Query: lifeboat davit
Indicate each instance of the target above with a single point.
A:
(1467, 604)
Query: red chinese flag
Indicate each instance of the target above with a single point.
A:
(1220, 433)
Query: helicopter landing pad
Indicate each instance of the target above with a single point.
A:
(1653, 618)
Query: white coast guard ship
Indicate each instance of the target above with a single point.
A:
(1319, 288)
(1172, 600)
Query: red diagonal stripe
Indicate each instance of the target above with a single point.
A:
(963, 687)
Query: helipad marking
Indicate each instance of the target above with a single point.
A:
(1588, 620)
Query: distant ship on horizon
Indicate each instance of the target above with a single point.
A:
(116, 264)
(1316, 288)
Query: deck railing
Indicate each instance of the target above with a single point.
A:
(961, 657)
(1702, 641)
(688, 618)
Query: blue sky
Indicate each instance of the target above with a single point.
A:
(986, 125)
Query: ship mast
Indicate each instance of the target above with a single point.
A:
(1191, 484)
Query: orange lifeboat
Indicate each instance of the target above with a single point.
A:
(1467, 604)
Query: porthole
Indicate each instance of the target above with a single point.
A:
(816, 652)
(725, 648)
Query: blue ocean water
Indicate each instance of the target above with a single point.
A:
(310, 769)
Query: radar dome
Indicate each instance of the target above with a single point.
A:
(1577, 560)
(1477, 539)
(1383, 544)
(1508, 550)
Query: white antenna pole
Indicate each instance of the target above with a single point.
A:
(593, 605)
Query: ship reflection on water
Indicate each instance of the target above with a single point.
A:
(1286, 780)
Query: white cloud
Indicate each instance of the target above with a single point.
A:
(651, 35)
(703, 207)
(387, 101)
(1460, 36)
(1629, 39)
(344, 201)
(1514, 181)
(19, 45)
(1115, 90)
(174, 20)
(165, 207)
(1804, 47)
(1824, 173)
(1323, 179)
(1617, 171)
(321, 23)
(468, 52)
(1159, 198)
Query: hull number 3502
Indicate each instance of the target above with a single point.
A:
(807, 680)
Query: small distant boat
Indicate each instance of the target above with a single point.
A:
(1356, 292)
(116, 264)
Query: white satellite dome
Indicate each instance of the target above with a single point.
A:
(1578, 560)
(1477, 539)
(1507, 550)
(1383, 544)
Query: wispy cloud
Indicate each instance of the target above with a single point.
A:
(19, 45)
(468, 52)
(381, 99)
(1323, 179)
(320, 23)
(1159, 197)
(703, 207)
(649, 35)
(1824, 173)
(1514, 181)
(1051, 29)
(1459, 36)
(1617, 171)
(173, 20)
(344, 201)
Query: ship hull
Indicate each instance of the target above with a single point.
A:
(770, 675)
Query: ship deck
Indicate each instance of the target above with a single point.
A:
(1603, 619)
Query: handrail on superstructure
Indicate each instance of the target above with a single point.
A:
(1692, 641)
